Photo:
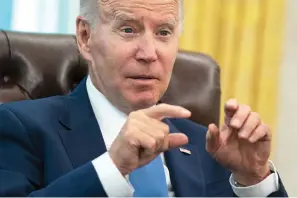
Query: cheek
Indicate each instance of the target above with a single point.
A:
(123, 56)
(167, 59)
(107, 55)
(115, 61)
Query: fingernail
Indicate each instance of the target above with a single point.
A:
(232, 102)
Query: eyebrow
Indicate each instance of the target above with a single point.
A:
(171, 23)
(123, 17)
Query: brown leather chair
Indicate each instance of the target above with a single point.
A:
(40, 65)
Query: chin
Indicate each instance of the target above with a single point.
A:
(143, 100)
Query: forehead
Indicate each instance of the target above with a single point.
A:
(140, 8)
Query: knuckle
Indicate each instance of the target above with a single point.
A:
(137, 114)
(161, 136)
(129, 130)
(162, 105)
(130, 124)
(152, 144)
(255, 115)
(246, 108)
(266, 128)
(132, 121)
(132, 141)
(134, 114)
(151, 121)
(165, 128)
(128, 135)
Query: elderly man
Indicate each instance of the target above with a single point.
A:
(110, 138)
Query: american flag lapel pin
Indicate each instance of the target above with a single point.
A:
(186, 151)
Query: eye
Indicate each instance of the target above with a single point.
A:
(127, 30)
(164, 33)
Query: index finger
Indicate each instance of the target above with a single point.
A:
(167, 111)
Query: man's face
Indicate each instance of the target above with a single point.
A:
(133, 50)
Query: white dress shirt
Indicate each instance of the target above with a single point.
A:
(111, 120)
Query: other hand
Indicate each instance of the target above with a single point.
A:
(242, 144)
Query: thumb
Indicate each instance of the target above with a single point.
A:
(177, 140)
(212, 138)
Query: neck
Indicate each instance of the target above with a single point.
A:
(121, 105)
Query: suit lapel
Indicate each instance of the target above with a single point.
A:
(82, 138)
(185, 169)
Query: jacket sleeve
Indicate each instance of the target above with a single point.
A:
(21, 167)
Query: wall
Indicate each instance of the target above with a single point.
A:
(286, 136)
(47, 16)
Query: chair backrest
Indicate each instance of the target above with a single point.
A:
(40, 65)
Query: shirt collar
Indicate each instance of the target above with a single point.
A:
(109, 118)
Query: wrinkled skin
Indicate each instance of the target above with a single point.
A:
(131, 53)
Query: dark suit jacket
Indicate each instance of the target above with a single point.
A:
(46, 148)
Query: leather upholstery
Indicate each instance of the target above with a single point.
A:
(40, 65)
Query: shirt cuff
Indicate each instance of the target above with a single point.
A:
(262, 189)
(112, 180)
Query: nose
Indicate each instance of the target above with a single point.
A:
(147, 51)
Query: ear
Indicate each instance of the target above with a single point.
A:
(83, 36)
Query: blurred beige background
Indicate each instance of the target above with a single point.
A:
(255, 43)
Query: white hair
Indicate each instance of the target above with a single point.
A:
(89, 10)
